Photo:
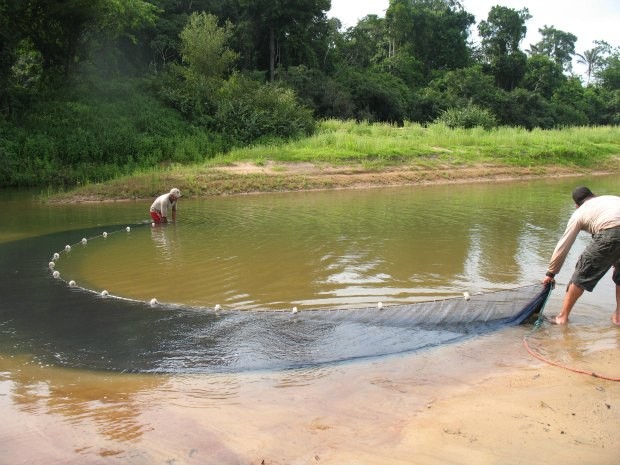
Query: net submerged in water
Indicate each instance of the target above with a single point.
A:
(501, 308)
(278, 339)
(197, 339)
(116, 333)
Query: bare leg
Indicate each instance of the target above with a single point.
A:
(572, 295)
(615, 317)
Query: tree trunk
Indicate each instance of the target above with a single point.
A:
(272, 54)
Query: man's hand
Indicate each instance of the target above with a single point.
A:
(549, 279)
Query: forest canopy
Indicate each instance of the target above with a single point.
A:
(111, 85)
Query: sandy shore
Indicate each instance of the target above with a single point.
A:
(483, 401)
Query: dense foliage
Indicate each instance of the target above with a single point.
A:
(91, 89)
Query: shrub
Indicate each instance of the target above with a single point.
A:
(248, 112)
(96, 132)
(471, 116)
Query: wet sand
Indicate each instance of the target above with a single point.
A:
(482, 401)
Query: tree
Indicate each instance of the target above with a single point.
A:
(503, 31)
(602, 106)
(542, 75)
(524, 108)
(557, 45)
(275, 22)
(404, 66)
(204, 46)
(207, 61)
(459, 89)
(366, 42)
(9, 40)
(433, 32)
(592, 59)
(63, 30)
(609, 74)
(376, 96)
(249, 111)
(597, 58)
(569, 104)
(501, 35)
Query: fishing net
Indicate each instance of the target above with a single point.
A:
(85, 328)
(501, 308)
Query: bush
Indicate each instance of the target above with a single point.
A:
(377, 96)
(95, 132)
(249, 112)
(471, 116)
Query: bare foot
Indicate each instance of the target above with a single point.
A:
(615, 319)
(549, 319)
(561, 320)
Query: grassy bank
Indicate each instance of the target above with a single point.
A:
(349, 154)
(340, 142)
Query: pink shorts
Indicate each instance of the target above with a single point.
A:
(156, 217)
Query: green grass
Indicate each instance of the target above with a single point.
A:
(374, 148)
(339, 142)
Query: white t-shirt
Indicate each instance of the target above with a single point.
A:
(162, 203)
(594, 215)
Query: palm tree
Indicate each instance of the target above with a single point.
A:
(534, 50)
(592, 59)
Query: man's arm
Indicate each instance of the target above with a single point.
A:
(562, 248)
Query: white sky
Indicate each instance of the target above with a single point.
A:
(588, 20)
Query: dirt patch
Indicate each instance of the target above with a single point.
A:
(249, 178)
(307, 176)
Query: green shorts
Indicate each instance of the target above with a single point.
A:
(596, 260)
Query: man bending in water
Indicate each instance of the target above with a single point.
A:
(600, 217)
(159, 209)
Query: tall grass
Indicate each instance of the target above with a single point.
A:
(340, 142)
(372, 147)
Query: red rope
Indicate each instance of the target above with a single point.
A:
(551, 362)
(574, 370)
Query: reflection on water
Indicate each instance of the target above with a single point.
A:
(328, 249)
(79, 397)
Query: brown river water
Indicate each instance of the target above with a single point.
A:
(86, 379)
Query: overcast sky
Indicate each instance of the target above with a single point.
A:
(589, 20)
